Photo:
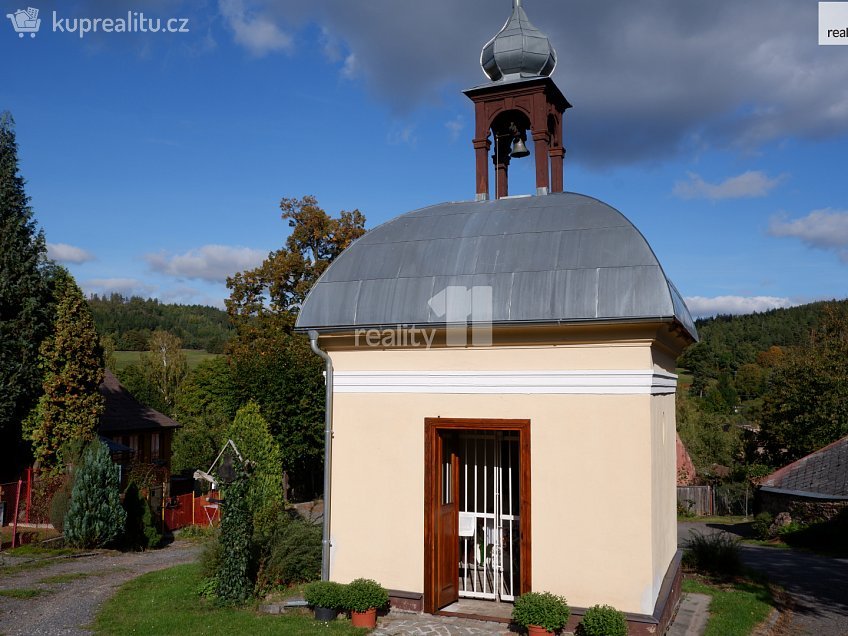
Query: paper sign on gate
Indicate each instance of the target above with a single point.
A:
(466, 524)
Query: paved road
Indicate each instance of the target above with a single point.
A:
(68, 604)
(819, 585)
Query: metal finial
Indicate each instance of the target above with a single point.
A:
(501, 57)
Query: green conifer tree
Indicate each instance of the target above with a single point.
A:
(252, 436)
(95, 516)
(24, 301)
(71, 403)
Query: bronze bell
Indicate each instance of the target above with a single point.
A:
(519, 149)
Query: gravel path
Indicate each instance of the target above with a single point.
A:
(818, 585)
(68, 605)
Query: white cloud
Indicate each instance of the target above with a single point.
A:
(455, 127)
(256, 32)
(210, 262)
(701, 306)
(730, 74)
(753, 183)
(350, 68)
(402, 134)
(825, 229)
(123, 286)
(64, 253)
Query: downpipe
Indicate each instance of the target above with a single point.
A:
(328, 454)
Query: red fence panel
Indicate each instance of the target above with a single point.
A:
(187, 510)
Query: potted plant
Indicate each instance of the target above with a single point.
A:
(363, 597)
(602, 620)
(540, 612)
(325, 597)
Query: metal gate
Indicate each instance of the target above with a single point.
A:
(489, 505)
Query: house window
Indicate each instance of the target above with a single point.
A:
(154, 446)
(133, 444)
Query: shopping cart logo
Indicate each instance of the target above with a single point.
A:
(25, 21)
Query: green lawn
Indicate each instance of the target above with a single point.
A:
(736, 608)
(166, 602)
(195, 357)
(22, 593)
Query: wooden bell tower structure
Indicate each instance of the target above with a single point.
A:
(521, 102)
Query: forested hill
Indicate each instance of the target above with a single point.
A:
(130, 321)
(729, 342)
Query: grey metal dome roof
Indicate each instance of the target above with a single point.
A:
(560, 258)
(518, 50)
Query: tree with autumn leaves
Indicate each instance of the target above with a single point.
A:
(272, 365)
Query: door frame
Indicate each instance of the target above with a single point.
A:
(432, 427)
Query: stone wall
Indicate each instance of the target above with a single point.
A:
(802, 509)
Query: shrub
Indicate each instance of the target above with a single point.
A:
(360, 595)
(542, 609)
(713, 554)
(325, 594)
(95, 516)
(761, 525)
(289, 551)
(140, 533)
(59, 505)
(602, 620)
(234, 563)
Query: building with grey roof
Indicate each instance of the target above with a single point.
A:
(484, 354)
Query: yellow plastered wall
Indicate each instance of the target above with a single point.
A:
(596, 535)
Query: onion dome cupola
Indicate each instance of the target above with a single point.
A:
(518, 50)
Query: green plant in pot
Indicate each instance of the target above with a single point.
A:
(540, 612)
(602, 620)
(326, 597)
(363, 597)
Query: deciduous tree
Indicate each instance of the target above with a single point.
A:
(280, 284)
(804, 406)
(164, 366)
(270, 364)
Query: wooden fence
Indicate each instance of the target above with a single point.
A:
(696, 500)
(188, 510)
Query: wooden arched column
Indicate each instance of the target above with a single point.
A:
(539, 101)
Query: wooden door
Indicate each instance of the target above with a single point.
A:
(447, 526)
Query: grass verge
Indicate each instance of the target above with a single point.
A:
(166, 602)
(70, 576)
(22, 593)
(736, 608)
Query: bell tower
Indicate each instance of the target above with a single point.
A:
(521, 103)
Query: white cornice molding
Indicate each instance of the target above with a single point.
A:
(617, 382)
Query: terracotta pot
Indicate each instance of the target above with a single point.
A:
(368, 618)
(535, 630)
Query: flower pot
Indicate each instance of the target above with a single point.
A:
(325, 614)
(368, 618)
(535, 630)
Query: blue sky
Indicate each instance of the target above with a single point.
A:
(156, 161)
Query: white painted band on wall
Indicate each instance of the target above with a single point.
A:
(618, 382)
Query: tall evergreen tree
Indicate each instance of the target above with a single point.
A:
(250, 433)
(71, 404)
(24, 301)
